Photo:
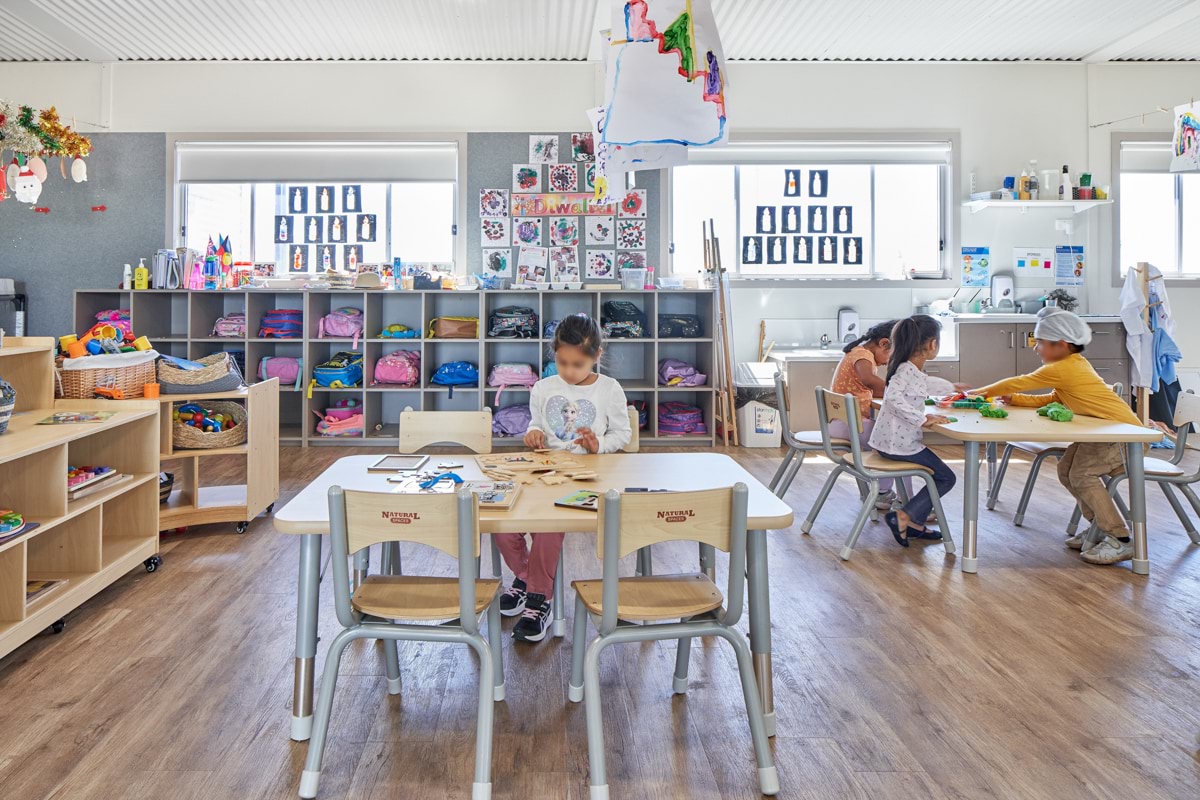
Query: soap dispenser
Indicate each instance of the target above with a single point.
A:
(141, 275)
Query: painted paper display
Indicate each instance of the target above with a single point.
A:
(531, 265)
(314, 229)
(326, 199)
(777, 250)
(589, 177)
(352, 258)
(284, 225)
(527, 178)
(1185, 151)
(338, 228)
(976, 266)
(298, 258)
(352, 198)
(564, 264)
(298, 199)
(633, 204)
(1069, 265)
(631, 234)
(563, 178)
(543, 149)
(802, 249)
(496, 261)
(365, 228)
(575, 204)
(791, 219)
(852, 252)
(582, 147)
(630, 259)
(564, 231)
(601, 264)
(493, 203)
(599, 230)
(527, 232)
(494, 232)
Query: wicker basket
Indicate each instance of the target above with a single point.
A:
(80, 384)
(187, 437)
(220, 374)
(166, 485)
(8, 400)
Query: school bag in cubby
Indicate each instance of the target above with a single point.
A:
(673, 372)
(343, 323)
(282, 323)
(504, 375)
(230, 326)
(401, 368)
(679, 326)
(456, 373)
(287, 369)
(680, 419)
(621, 319)
(512, 421)
(513, 322)
(343, 371)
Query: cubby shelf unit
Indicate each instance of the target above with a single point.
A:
(180, 323)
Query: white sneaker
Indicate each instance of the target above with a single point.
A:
(1109, 551)
(884, 500)
(1076, 542)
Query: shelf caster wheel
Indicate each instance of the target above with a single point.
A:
(242, 526)
(271, 508)
(153, 563)
(58, 626)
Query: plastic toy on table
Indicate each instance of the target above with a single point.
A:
(10, 520)
(961, 400)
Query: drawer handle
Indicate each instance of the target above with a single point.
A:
(1101, 333)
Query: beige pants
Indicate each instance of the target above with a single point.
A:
(1080, 470)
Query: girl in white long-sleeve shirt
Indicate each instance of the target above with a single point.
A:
(579, 411)
(901, 421)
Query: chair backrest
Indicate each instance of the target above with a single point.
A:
(782, 400)
(1187, 410)
(833, 406)
(634, 438)
(447, 522)
(631, 521)
(471, 429)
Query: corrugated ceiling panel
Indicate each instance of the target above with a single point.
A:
(1181, 44)
(20, 42)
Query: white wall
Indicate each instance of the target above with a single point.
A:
(1005, 114)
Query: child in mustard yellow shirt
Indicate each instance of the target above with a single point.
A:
(1061, 337)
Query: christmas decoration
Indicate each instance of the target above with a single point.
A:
(12, 135)
(27, 187)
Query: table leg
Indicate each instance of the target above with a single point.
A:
(1137, 506)
(760, 622)
(308, 595)
(970, 562)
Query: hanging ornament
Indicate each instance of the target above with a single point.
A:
(79, 170)
(11, 172)
(3, 187)
(27, 187)
(38, 167)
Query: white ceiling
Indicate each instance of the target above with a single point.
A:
(564, 30)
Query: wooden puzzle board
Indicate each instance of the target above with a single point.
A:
(527, 462)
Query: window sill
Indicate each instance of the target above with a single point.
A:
(739, 282)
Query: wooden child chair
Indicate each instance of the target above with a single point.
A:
(799, 444)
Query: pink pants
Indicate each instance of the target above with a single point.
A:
(535, 564)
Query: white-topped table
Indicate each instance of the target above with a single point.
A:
(307, 514)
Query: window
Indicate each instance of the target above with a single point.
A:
(814, 210)
(1159, 211)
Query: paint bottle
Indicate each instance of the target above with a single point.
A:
(127, 278)
(141, 276)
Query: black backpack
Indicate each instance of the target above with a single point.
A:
(621, 319)
(513, 322)
(679, 326)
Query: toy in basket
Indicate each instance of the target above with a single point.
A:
(8, 401)
(218, 423)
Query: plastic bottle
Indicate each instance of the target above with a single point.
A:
(1064, 186)
(1034, 187)
(141, 276)
(649, 278)
(1023, 186)
(127, 278)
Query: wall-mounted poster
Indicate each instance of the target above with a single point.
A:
(1033, 260)
(298, 199)
(777, 250)
(352, 198)
(364, 227)
(752, 250)
(818, 182)
(325, 199)
(827, 250)
(493, 202)
(298, 258)
(284, 225)
(976, 266)
(582, 147)
(631, 234)
(527, 178)
(314, 229)
(764, 219)
(791, 183)
(527, 231)
(564, 231)
(1069, 265)
(496, 261)
(802, 249)
(843, 219)
(531, 264)
(337, 228)
(598, 230)
(494, 232)
(601, 264)
(852, 250)
(352, 257)
(543, 149)
(563, 178)
(818, 219)
(790, 219)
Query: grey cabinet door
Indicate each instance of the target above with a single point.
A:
(1108, 342)
(986, 352)
(1027, 357)
(943, 369)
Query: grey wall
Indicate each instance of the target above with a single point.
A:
(74, 247)
(490, 158)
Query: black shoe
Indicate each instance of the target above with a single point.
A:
(512, 601)
(535, 621)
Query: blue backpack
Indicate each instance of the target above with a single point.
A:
(551, 368)
(456, 373)
(342, 371)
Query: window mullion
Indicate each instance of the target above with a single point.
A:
(1179, 223)
(737, 220)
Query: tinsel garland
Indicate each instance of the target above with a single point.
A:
(13, 136)
(27, 131)
(66, 141)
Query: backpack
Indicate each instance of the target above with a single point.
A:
(340, 372)
(621, 319)
(680, 419)
(349, 426)
(342, 323)
(231, 326)
(511, 421)
(454, 328)
(402, 368)
(398, 331)
(505, 375)
(287, 369)
(673, 372)
(679, 326)
(456, 373)
(551, 368)
(343, 410)
(643, 413)
(282, 323)
(513, 322)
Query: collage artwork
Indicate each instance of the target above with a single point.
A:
(325, 228)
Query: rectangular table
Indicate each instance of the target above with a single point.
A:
(1025, 425)
(307, 514)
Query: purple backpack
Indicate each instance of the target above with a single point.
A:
(342, 323)
(511, 421)
(680, 419)
(504, 375)
(288, 370)
(232, 326)
(673, 372)
(402, 368)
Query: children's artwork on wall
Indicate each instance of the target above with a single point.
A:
(493, 203)
(352, 198)
(563, 178)
(527, 178)
(818, 182)
(752, 249)
(791, 183)
(527, 231)
(326, 257)
(827, 250)
(574, 203)
(496, 261)
(564, 231)
(325, 199)
(818, 219)
(790, 219)
(777, 250)
(601, 264)
(976, 266)
(630, 259)
(337, 228)
(1185, 152)
(582, 147)
(802, 249)
(633, 204)
(843, 219)
(564, 263)
(314, 232)
(283, 229)
(531, 264)
(364, 227)
(631, 234)
(494, 232)
(589, 177)
(599, 230)
(543, 149)
(298, 258)
(852, 250)
(764, 219)
(298, 199)
(352, 257)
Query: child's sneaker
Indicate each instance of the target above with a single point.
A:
(535, 620)
(1109, 551)
(512, 600)
(884, 500)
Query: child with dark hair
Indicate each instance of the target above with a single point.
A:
(581, 412)
(898, 428)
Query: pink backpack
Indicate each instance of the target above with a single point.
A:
(402, 368)
(342, 323)
(505, 375)
(230, 326)
(290, 371)
(331, 426)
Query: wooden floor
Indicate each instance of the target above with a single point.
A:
(896, 676)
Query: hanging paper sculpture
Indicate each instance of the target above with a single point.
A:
(1185, 155)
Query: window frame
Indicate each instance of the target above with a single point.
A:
(949, 218)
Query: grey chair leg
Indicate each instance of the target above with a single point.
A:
(362, 564)
(597, 777)
(708, 561)
(1195, 503)
(783, 465)
(868, 504)
(310, 779)
(807, 525)
(482, 787)
(578, 646)
(1027, 492)
(901, 492)
(559, 626)
(1184, 519)
(494, 643)
(785, 483)
(994, 489)
(1073, 523)
(682, 652)
(497, 563)
(943, 520)
(392, 660)
(768, 775)
(645, 562)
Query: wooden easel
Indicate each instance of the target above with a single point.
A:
(725, 368)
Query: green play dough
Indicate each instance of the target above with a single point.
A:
(993, 412)
(1057, 412)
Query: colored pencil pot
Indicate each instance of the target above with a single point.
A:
(8, 401)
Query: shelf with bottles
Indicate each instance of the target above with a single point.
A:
(1077, 206)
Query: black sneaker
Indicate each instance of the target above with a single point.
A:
(512, 600)
(535, 621)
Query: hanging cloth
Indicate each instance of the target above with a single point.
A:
(1139, 339)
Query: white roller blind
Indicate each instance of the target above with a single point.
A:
(1148, 156)
(301, 162)
(824, 152)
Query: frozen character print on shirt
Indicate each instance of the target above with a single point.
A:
(569, 416)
